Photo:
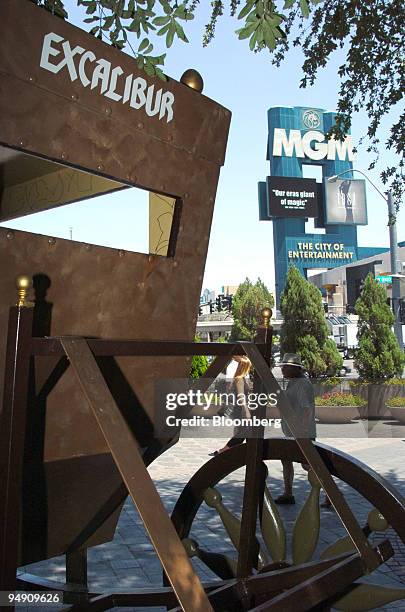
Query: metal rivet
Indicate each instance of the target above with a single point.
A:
(63, 156)
(140, 126)
(121, 253)
(88, 247)
(108, 111)
(52, 241)
(175, 264)
(22, 143)
(100, 167)
(74, 97)
(31, 79)
(141, 285)
(10, 235)
(150, 258)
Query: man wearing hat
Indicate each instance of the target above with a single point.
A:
(300, 394)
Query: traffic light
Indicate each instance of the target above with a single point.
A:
(218, 302)
(229, 302)
(325, 307)
(212, 307)
(200, 311)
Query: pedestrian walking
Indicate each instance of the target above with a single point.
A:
(300, 394)
(238, 388)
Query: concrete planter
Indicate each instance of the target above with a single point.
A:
(376, 396)
(397, 413)
(337, 414)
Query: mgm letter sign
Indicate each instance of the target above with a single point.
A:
(311, 144)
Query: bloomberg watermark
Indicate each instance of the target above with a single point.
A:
(213, 411)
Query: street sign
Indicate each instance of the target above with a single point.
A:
(384, 280)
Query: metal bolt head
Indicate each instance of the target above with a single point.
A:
(192, 79)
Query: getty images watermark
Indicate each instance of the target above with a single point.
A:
(211, 413)
(208, 409)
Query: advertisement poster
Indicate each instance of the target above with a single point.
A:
(345, 202)
(292, 197)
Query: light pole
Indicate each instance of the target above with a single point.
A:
(395, 263)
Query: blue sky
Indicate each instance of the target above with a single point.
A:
(248, 85)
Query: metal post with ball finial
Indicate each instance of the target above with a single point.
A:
(12, 431)
(254, 479)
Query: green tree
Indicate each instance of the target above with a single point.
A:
(370, 34)
(247, 304)
(378, 355)
(199, 364)
(304, 330)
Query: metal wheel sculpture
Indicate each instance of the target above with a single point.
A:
(275, 583)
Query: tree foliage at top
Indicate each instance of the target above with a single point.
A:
(247, 305)
(378, 356)
(304, 330)
(371, 33)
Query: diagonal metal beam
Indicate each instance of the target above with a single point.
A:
(368, 555)
(124, 449)
(308, 594)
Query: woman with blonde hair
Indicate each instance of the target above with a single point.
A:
(240, 387)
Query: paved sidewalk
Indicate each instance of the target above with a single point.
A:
(129, 560)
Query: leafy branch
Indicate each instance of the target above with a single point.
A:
(372, 35)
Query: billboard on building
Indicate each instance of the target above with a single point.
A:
(292, 197)
(345, 202)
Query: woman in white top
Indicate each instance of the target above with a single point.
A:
(240, 367)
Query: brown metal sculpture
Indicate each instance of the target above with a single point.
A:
(77, 118)
(77, 426)
(251, 585)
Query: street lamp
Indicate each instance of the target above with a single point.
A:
(395, 263)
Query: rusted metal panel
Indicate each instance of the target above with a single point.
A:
(96, 291)
(84, 128)
(90, 290)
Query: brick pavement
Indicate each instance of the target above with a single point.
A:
(129, 560)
